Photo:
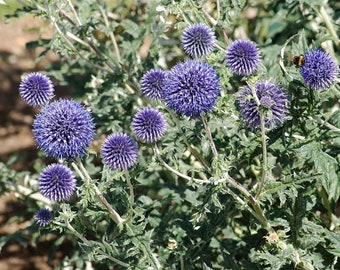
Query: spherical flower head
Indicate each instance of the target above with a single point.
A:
(243, 57)
(273, 103)
(63, 129)
(57, 182)
(191, 88)
(36, 89)
(43, 217)
(198, 40)
(319, 70)
(119, 151)
(149, 125)
(152, 83)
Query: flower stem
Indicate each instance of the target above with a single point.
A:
(132, 195)
(86, 177)
(167, 166)
(264, 155)
(328, 22)
(264, 142)
(112, 37)
(254, 203)
(210, 138)
(68, 226)
(191, 149)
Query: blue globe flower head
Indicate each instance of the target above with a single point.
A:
(273, 102)
(57, 182)
(36, 89)
(63, 129)
(119, 151)
(198, 40)
(43, 217)
(243, 57)
(319, 70)
(152, 83)
(191, 88)
(149, 125)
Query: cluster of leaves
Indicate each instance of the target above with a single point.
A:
(106, 47)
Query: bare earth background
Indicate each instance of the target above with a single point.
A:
(15, 134)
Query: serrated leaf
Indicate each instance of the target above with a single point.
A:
(131, 28)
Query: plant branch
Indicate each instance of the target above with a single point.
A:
(112, 37)
(88, 243)
(86, 177)
(210, 138)
(192, 150)
(264, 143)
(167, 166)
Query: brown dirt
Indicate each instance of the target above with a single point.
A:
(16, 136)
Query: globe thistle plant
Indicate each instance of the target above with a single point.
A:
(57, 182)
(119, 151)
(36, 89)
(152, 83)
(63, 129)
(149, 125)
(273, 103)
(191, 88)
(243, 57)
(43, 217)
(198, 40)
(319, 70)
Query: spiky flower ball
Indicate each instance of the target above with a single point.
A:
(273, 102)
(43, 217)
(57, 182)
(36, 89)
(149, 125)
(152, 83)
(119, 151)
(319, 70)
(191, 88)
(243, 57)
(198, 40)
(63, 129)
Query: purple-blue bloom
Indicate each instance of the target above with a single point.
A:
(152, 83)
(319, 70)
(273, 102)
(63, 129)
(36, 89)
(57, 182)
(191, 88)
(119, 151)
(198, 40)
(149, 125)
(243, 57)
(43, 217)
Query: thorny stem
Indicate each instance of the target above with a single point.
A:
(115, 216)
(132, 195)
(210, 138)
(264, 143)
(18, 189)
(69, 43)
(112, 37)
(88, 243)
(257, 212)
(325, 123)
(325, 17)
(86, 177)
(191, 149)
(89, 42)
(167, 166)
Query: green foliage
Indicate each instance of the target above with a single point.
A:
(208, 215)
